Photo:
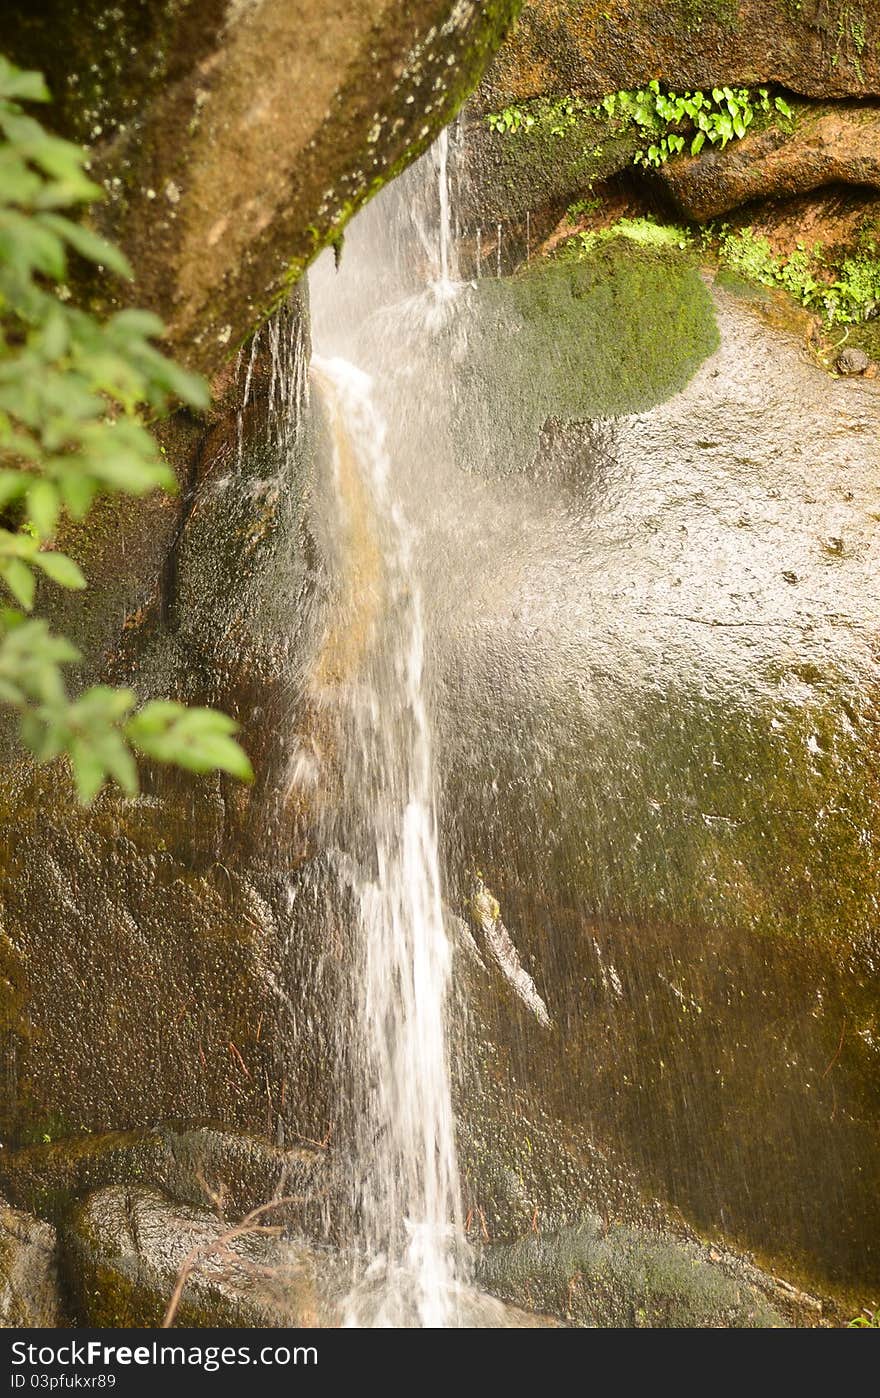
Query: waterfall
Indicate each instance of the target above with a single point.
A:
(406, 1178)
(410, 1255)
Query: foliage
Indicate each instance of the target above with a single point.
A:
(510, 120)
(846, 295)
(669, 122)
(73, 391)
(590, 204)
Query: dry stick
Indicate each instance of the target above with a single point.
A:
(247, 1227)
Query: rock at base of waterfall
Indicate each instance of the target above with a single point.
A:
(852, 361)
(123, 1253)
(192, 1164)
(623, 1277)
(29, 1292)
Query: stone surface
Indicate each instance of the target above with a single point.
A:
(145, 943)
(821, 48)
(852, 361)
(200, 1166)
(594, 1275)
(29, 1289)
(236, 140)
(837, 145)
(657, 685)
(123, 1249)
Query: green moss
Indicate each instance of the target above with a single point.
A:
(622, 1277)
(843, 287)
(621, 329)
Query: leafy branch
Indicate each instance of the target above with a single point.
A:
(74, 392)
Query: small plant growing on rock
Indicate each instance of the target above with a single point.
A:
(671, 123)
(868, 1320)
(849, 298)
(74, 395)
(678, 121)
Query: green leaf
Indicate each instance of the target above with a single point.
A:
(26, 245)
(77, 492)
(88, 770)
(89, 245)
(43, 505)
(61, 569)
(197, 739)
(698, 142)
(12, 485)
(134, 324)
(21, 84)
(20, 581)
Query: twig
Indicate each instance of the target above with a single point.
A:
(837, 1052)
(233, 1050)
(248, 1227)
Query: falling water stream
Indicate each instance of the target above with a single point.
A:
(410, 1264)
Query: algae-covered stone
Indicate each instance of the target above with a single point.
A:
(822, 48)
(29, 1288)
(621, 1277)
(618, 330)
(657, 726)
(123, 1250)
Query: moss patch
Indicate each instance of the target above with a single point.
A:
(617, 332)
(621, 1278)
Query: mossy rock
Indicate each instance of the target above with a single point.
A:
(192, 1165)
(822, 48)
(618, 331)
(29, 1289)
(620, 1277)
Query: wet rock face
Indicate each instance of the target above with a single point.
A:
(821, 48)
(235, 140)
(235, 1172)
(29, 1290)
(658, 728)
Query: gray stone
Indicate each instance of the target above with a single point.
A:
(123, 1250)
(598, 1276)
(29, 1290)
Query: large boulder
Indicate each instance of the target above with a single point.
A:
(655, 675)
(619, 1277)
(126, 1249)
(235, 1170)
(826, 146)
